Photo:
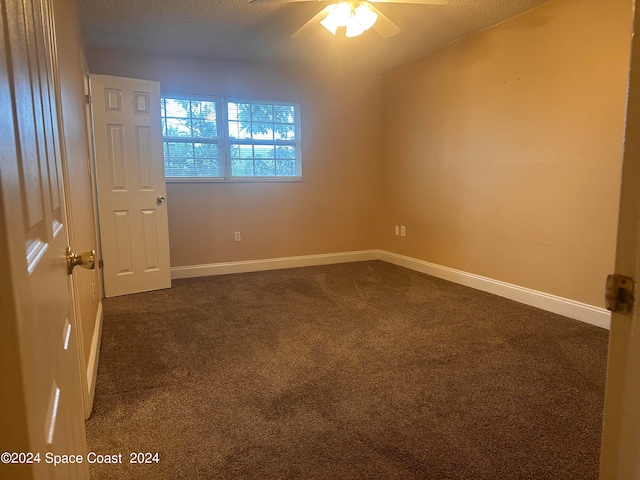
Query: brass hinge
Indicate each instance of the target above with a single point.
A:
(619, 294)
(87, 99)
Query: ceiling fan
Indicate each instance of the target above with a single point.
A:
(356, 16)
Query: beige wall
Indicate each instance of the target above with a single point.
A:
(334, 209)
(501, 153)
(82, 233)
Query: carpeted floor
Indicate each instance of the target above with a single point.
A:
(353, 371)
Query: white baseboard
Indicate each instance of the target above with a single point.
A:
(551, 303)
(190, 271)
(545, 301)
(92, 365)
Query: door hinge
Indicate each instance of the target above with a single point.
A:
(87, 99)
(619, 294)
(100, 263)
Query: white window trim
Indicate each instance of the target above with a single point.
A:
(224, 141)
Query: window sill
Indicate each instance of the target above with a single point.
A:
(232, 180)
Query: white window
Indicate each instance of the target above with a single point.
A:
(248, 140)
(190, 131)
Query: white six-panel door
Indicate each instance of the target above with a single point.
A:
(42, 410)
(131, 185)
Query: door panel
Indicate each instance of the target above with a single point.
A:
(130, 165)
(123, 238)
(145, 159)
(117, 158)
(150, 227)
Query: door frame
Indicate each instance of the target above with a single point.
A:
(76, 311)
(620, 455)
(91, 370)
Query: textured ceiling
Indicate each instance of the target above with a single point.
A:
(235, 29)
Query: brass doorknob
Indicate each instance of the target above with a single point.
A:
(85, 260)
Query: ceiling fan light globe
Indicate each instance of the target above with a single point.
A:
(342, 13)
(338, 16)
(330, 24)
(366, 16)
(354, 28)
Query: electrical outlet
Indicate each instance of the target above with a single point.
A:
(236, 236)
(397, 230)
(403, 231)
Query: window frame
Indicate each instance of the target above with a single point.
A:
(216, 140)
(224, 140)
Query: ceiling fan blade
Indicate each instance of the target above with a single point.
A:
(418, 2)
(312, 24)
(383, 25)
(265, 2)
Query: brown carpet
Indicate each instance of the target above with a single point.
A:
(353, 371)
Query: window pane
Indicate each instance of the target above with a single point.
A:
(241, 151)
(179, 149)
(177, 108)
(240, 130)
(204, 110)
(244, 112)
(204, 128)
(187, 159)
(246, 151)
(265, 168)
(286, 168)
(285, 151)
(179, 167)
(207, 168)
(233, 129)
(205, 150)
(263, 151)
(232, 111)
(242, 168)
(177, 127)
(262, 121)
(285, 131)
(284, 113)
(262, 131)
(262, 113)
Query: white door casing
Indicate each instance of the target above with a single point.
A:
(620, 458)
(91, 365)
(131, 184)
(41, 390)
